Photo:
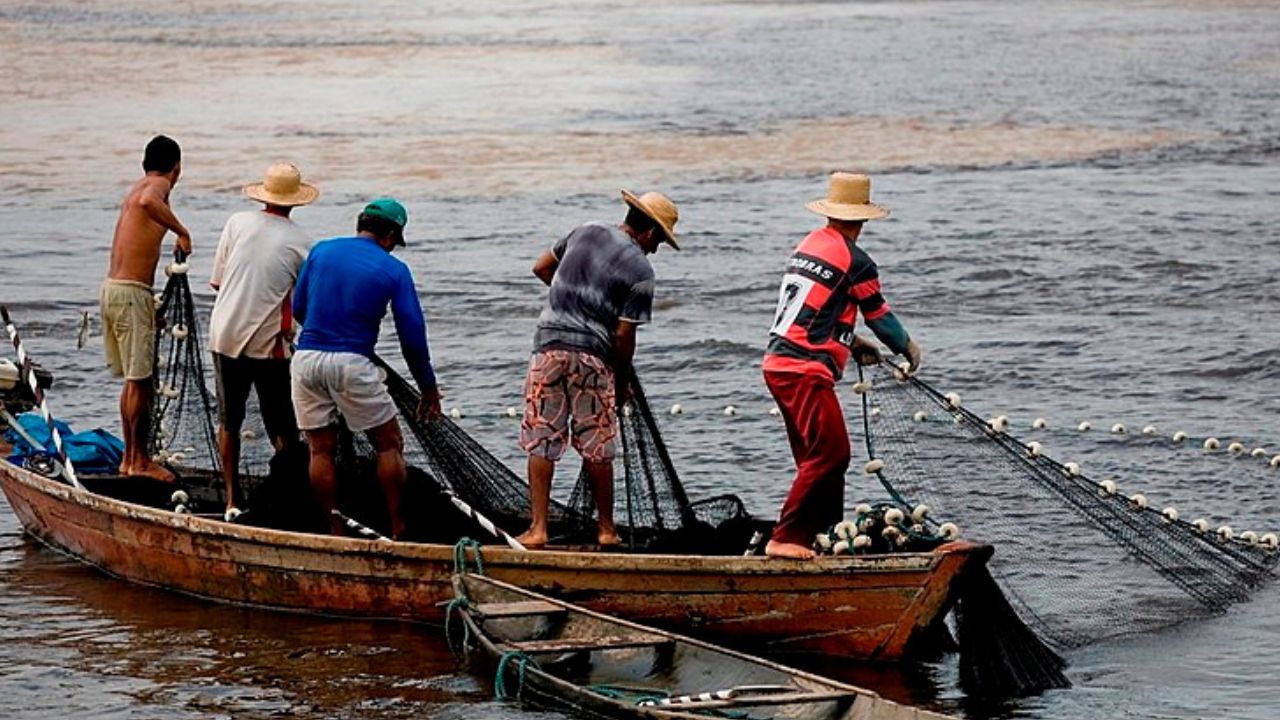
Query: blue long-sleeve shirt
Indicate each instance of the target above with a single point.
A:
(342, 294)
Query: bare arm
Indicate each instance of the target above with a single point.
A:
(545, 267)
(624, 349)
(156, 205)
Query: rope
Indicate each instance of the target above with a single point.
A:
(29, 375)
(460, 556)
(522, 662)
(456, 606)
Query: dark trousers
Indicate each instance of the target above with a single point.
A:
(820, 445)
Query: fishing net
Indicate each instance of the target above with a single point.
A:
(1043, 516)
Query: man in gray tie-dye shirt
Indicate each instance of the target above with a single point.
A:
(601, 289)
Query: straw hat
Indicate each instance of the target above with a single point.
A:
(848, 198)
(660, 209)
(283, 186)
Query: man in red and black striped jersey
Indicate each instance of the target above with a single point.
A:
(828, 282)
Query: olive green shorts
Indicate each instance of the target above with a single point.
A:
(128, 328)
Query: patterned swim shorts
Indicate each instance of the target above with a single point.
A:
(569, 394)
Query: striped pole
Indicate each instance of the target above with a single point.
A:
(363, 530)
(720, 695)
(485, 522)
(29, 375)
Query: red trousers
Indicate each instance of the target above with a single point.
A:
(820, 445)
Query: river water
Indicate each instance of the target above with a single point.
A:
(1085, 196)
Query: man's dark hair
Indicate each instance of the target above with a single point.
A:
(379, 226)
(639, 221)
(162, 155)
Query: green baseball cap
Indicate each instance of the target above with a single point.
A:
(388, 209)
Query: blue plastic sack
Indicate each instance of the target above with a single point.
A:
(92, 451)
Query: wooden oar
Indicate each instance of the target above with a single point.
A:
(29, 376)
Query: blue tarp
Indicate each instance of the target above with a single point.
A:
(91, 451)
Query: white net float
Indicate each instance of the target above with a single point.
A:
(730, 410)
(862, 542)
(177, 457)
(1119, 429)
(862, 509)
(920, 416)
(920, 512)
(862, 387)
(181, 510)
(628, 410)
(1268, 541)
(455, 413)
(890, 533)
(1149, 430)
(875, 411)
(823, 542)
(1072, 469)
(169, 391)
(894, 516)
(949, 530)
(180, 331)
(1179, 436)
(176, 268)
(1085, 426)
(248, 434)
(1139, 500)
(953, 399)
(677, 409)
(1249, 537)
(1034, 448)
(1170, 513)
(866, 524)
(775, 410)
(873, 466)
(1235, 448)
(1258, 453)
(1108, 487)
(231, 515)
(845, 530)
(511, 412)
(840, 548)
(1225, 533)
(1275, 462)
(179, 497)
(1201, 525)
(1039, 423)
(998, 423)
(158, 300)
(1211, 443)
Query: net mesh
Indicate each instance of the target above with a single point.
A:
(182, 431)
(1044, 516)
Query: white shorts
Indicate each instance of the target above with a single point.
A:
(328, 383)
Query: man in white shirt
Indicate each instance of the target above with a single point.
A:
(251, 331)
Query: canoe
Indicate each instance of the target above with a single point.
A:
(561, 656)
(871, 606)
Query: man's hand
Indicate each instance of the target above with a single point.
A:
(864, 351)
(429, 405)
(182, 244)
(913, 357)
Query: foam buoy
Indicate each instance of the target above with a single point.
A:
(1275, 462)
(894, 516)
(177, 457)
(1249, 537)
(169, 391)
(730, 411)
(873, 466)
(1108, 487)
(1119, 429)
(157, 300)
(861, 387)
(920, 416)
(181, 510)
(1179, 436)
(998, 423)
(248, 434)
(1268, 541)
(1211, 443)
(1170, 513)
(1149, 430)
(920, 512)
(231, 515)
(179, 497)
(1225, 533)
(775, 410)
(455, 413)
(1039, 423)
(180, 331)
(875, 411)
(1201, 525)
(677, 409)
(511, 412)
(176, 268)
(1034, 448)
(953, 399)
(949, 530)
(1258, 453)
(822, 541)
(1072, 469)
(862, 509)
(861, 542)
(890, 533)
(845, 530)
(1139, 500)
(1235, 448)
(840, 548)
(1085, 426)
(866, 524)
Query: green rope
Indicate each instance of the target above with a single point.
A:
(460, 556)
(521, 662)
(454, 607)
(627, 693)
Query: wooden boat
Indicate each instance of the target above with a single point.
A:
(566, 657)
(875, 606)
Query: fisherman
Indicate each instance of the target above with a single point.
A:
(128, 309)
(341, 297)
(828, 281)
(251, 331)
(601, 290)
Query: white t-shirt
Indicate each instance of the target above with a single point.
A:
(257, 262)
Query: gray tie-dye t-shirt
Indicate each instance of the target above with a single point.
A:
(603, 277)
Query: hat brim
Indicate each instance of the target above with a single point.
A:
(669, 236)
(306, 194)
(840, 211)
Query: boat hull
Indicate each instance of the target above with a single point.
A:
(856, 607)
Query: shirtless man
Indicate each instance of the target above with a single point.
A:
(128, 310)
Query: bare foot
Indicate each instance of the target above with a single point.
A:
(531, 539)
(788, 550)
(609, 540)
(149, 470)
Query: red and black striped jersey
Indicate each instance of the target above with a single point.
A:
(828, 281)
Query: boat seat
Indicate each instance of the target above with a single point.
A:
(523, 608)
(568, 645)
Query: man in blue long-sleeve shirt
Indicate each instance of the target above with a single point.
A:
(341, 297)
